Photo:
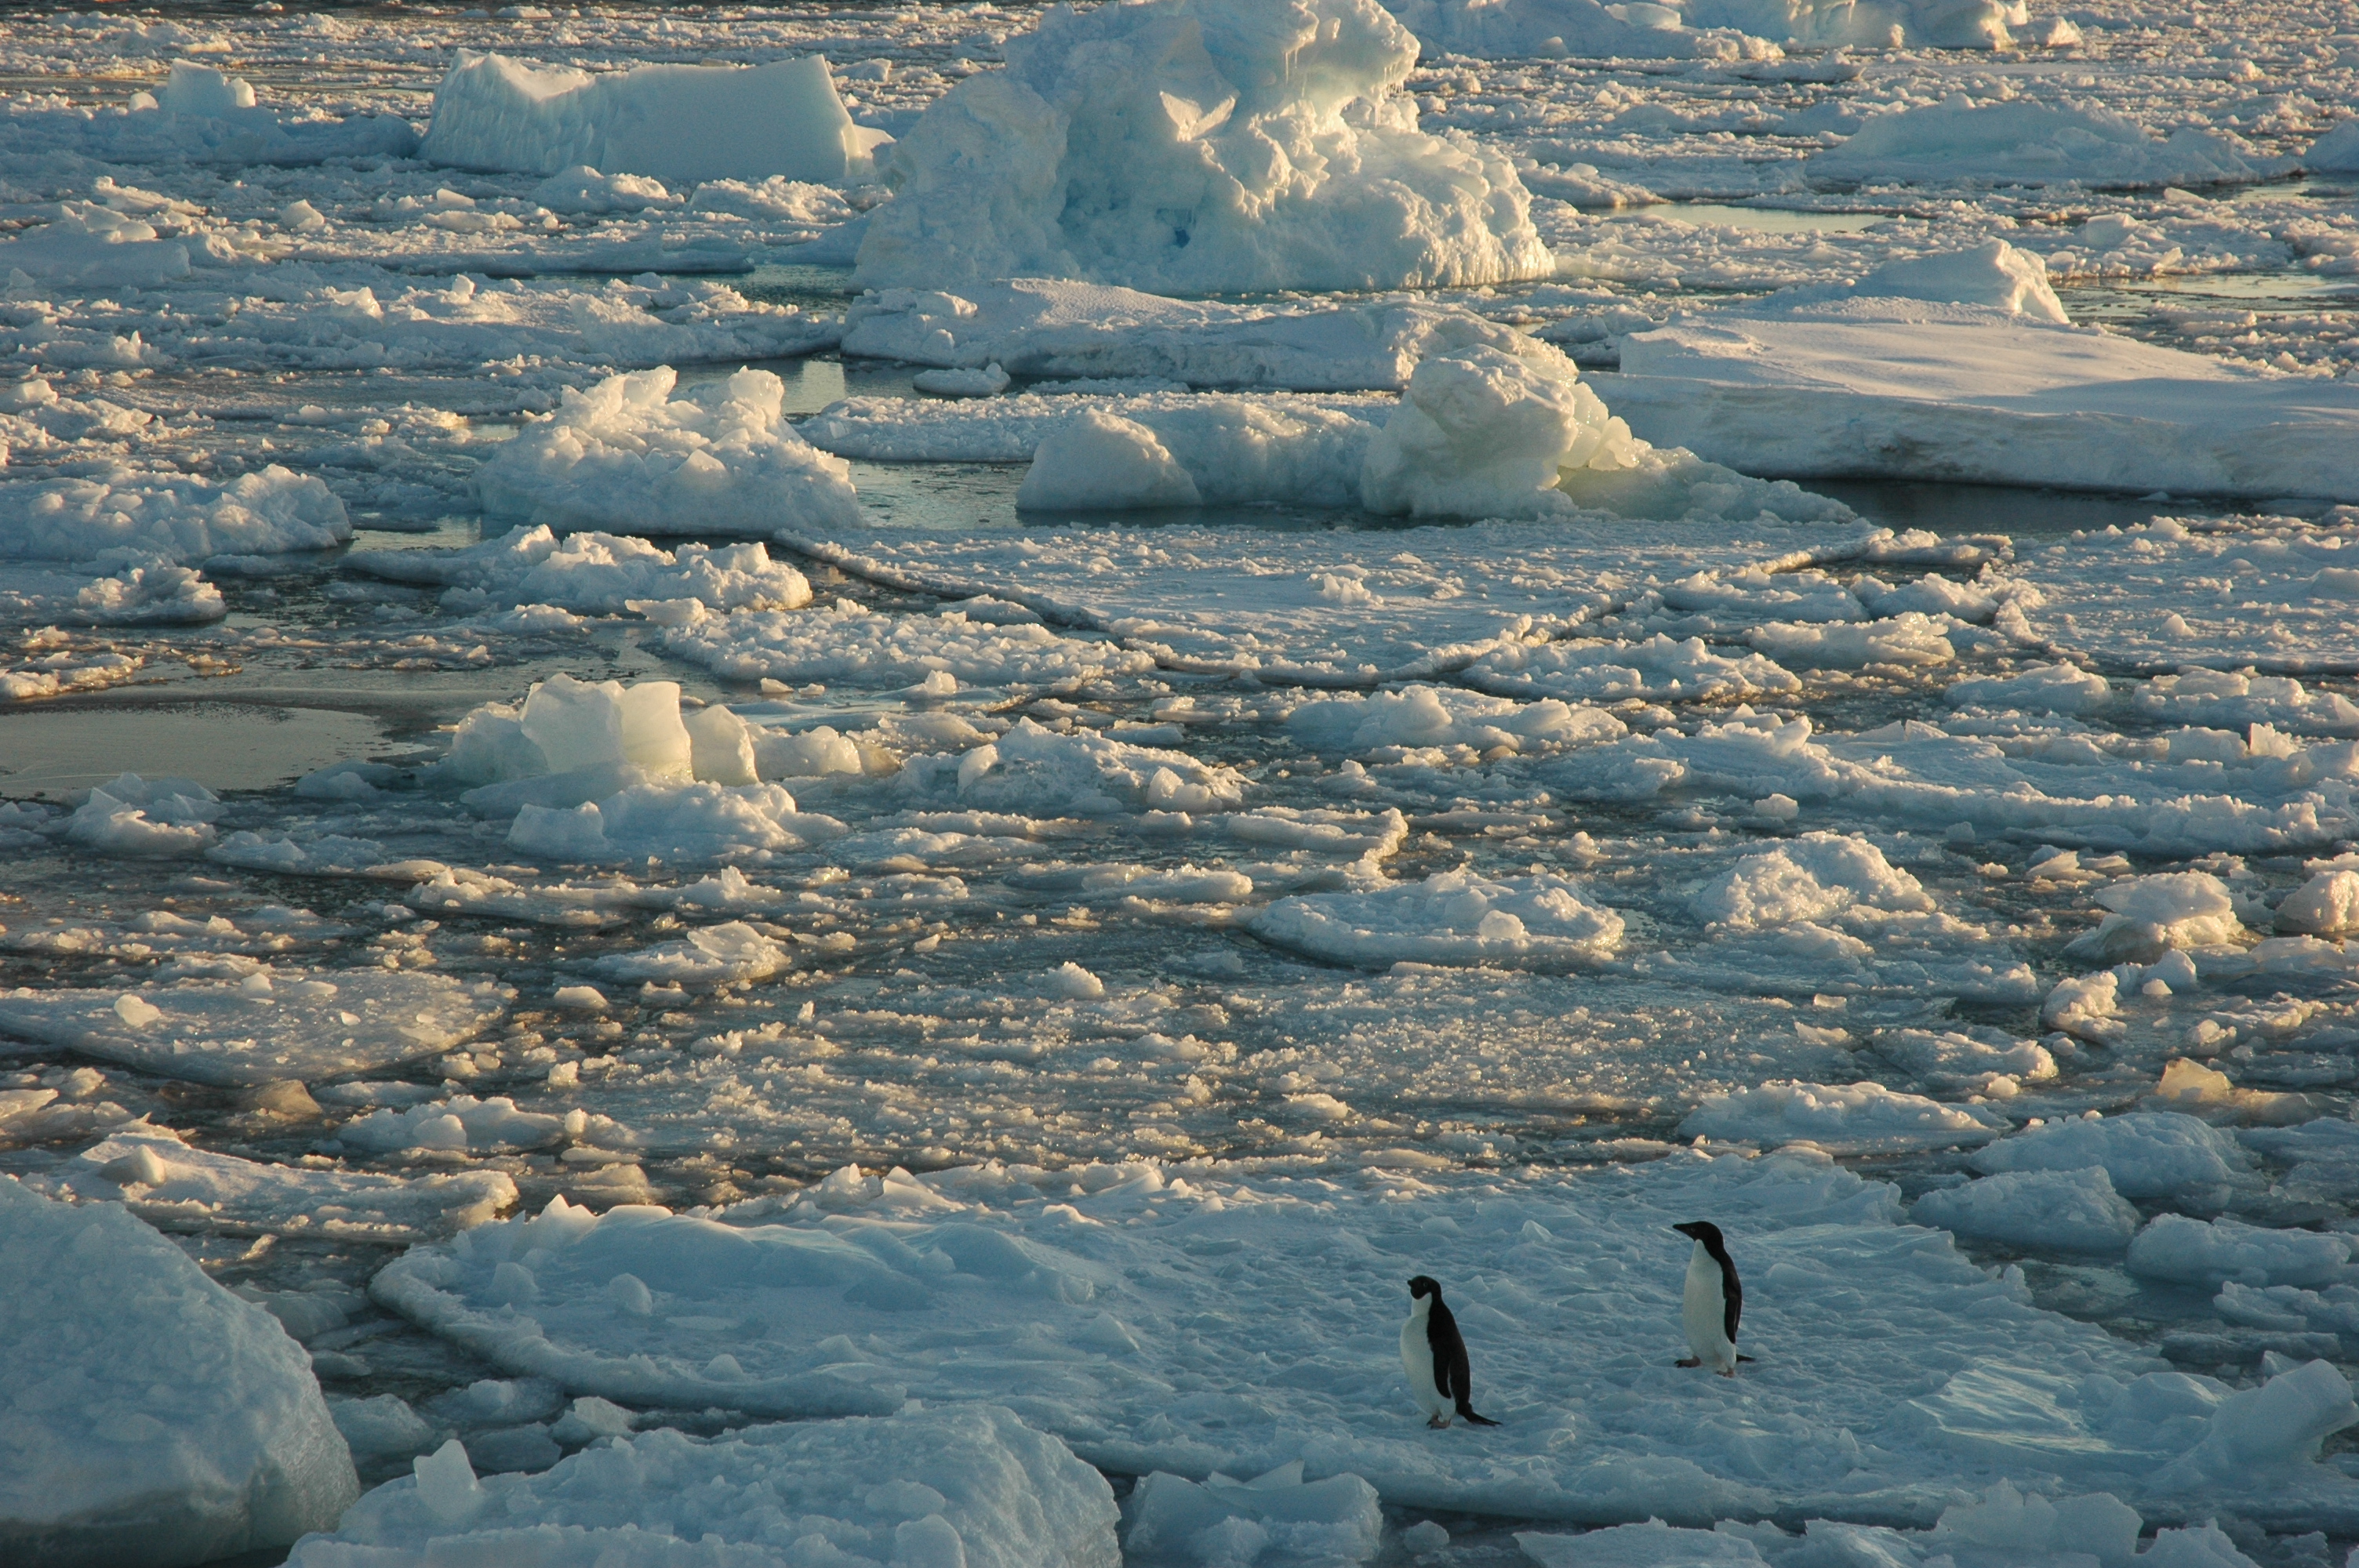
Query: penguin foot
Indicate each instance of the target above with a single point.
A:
(1440, 1424)
(1728, 1371)
(1690, 1361)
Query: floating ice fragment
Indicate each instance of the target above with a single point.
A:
(1198, 149)
(680, 123)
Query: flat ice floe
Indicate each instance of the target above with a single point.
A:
(1539, 921)
(2019, 142)
(153, 1416)
(271, 1026)
(969, 1485)
(1199, 149)
(1884, 386)
(1064, 328)
(1349, 609)
(167, 1182)
(1185, 1321)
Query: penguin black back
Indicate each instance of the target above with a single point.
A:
(1731, 1294)
(1453, 1373)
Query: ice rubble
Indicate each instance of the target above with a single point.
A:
(2067, 1211)
(851, 643)
(592, 572)
(168, 518)
(1453, 917)
(2145, 1154)
(2004, 1528)
(164, 1180)
(1273, 1517)
(1420, 716)
(1701, 29)
(152, 1416)
(1082, 1298)
(271, 1026)
(1861, 1118)
(1881, 384)
(678, 123)
(971, 1485)
(2121, 601)
(1478, 432)
(201, 115)
(1193, 147)
(1064, 328)
(2019, 142)
(627, 454)
(143, 593)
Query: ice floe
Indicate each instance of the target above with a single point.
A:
(1450, 918)
(169, 1183)
(967, 1485)
(153, 1417)
(1125, 1280)
(680, 123)
(628, 455)
(1880, 386)
(1199, 148)
(271, 1026)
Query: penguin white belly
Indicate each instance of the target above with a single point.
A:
(1704, 1312)
(1416, 1362)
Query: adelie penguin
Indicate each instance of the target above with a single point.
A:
(1712, 1301)
(1434, 1357)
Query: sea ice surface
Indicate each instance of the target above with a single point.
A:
(1082, 1300)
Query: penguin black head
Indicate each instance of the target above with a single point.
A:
(1425, 1285)
(1702, 1230)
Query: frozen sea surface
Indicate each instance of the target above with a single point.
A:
(1248, 797)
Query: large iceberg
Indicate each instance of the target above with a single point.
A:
(678, 123)
(152, 1416)
(1200, 147)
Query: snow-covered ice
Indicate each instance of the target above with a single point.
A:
(680, 123)
(1879, 384)
(1124, 1281)
(153, 1416)
(971, 1484)
(1199, 147)
(628, 455)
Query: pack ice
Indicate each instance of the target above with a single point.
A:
(1195, 1322)
(152, 1416)
(1193, 147)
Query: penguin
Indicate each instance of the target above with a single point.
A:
(1712, 1301)
(1434, 1357)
